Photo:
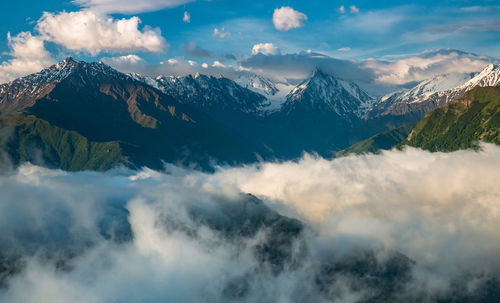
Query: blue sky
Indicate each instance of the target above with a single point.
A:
(363, 29)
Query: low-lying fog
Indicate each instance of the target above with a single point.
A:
(399, 226)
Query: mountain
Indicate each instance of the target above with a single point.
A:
(214, 95)
(322, 114)
(95, 104)
(383, 141)
(275, 92)
(412, 105)
(237, 109)
(258, 84)
(76, 115)
(461, 123)
(327, 93)
(318, 115)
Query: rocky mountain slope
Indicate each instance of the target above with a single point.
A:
(103, 105)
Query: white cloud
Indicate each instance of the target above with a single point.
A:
(220, 33)
(426, 65)
(172, 61)
(146, 236)
(130, 59)
(286, 18)
(28, 56)
(342, 9)
(187, 17)
(344, 49)
(86, 31)
(266, 49)
(218, 64)
(128, 6)
(353, 9)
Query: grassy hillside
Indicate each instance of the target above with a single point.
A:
(461, 124)
(374, 144)
(26, 138)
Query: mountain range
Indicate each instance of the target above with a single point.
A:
(77, 115)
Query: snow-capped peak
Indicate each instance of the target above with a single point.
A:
(489, 76)
(41, 83)
(428, 87)
(326, 92)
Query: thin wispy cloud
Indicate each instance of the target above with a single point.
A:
(128, 6)
(468, 27)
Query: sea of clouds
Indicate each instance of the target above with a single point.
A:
(399, 226)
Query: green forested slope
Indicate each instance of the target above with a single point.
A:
(26, 138)
(461, 124)
(374, 144)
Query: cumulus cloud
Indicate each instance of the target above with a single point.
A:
(28, 56)
(286, 18)
(86, 31)
(130, 59)
(353, 9)
(187, 17)
(266, 49)
(342, 9)
(128, 6)
(374, 226)
(220, 33)
(194, 50)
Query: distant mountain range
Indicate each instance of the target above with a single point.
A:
(77, 115)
